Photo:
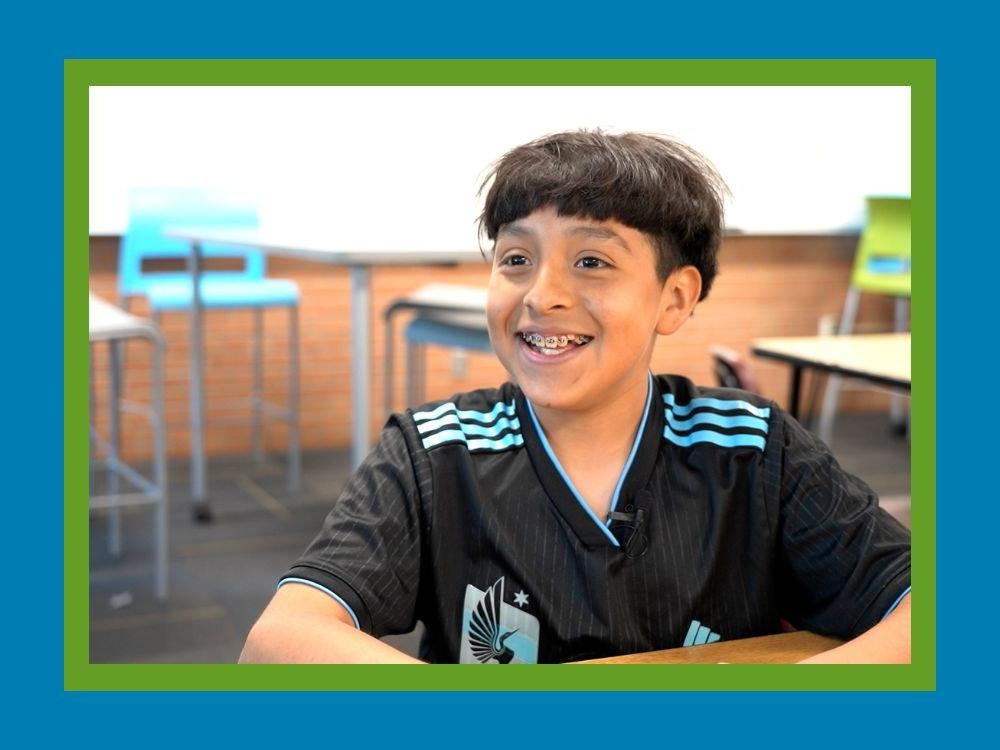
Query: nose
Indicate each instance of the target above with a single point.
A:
(549, 289)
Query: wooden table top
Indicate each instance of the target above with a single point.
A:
(783, 648)
(881, 357)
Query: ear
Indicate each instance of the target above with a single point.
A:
(680, 294)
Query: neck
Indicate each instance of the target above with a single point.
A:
(604, 430)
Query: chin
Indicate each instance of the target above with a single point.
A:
(550, 396)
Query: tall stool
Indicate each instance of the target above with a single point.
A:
(113, 325)
(151, 211)
(881, 266)
(448, 315)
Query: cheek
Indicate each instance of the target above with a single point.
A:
(627, 315)
(497, 315)
(501, 303)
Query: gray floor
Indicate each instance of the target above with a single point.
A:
(223, 573)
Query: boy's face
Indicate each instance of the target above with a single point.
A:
(573, 309)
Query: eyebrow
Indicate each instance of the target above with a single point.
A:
(518, 229)
(599, 233)
(584, 230)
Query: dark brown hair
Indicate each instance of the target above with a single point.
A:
(648, 182)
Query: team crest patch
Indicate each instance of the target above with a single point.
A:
(495, 632)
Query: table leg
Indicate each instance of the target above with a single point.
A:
(162, 517)
(360, 364)
(793, 397)
(200, 510)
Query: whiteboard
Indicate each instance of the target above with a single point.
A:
(398, 167)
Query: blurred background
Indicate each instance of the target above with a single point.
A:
(371, 169)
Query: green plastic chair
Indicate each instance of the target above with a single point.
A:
(882, 261)
(881, 266)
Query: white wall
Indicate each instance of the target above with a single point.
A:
(400, 166)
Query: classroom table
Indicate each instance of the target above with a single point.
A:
(319, 250)
(782, 648)
(880, 358)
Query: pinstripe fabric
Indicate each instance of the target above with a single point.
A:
(739, 537)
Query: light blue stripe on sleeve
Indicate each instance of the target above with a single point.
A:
(508, 441)
(716, 403)
(326, 591)
(476, 416)
(444, 437)
(707, 417)
(476, 444)
(716, 438)
(895, 603)
(469, 429)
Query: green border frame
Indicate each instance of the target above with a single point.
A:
(79, 674)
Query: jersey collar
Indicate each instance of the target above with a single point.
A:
(591, 530)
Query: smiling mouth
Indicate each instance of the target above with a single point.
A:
(552, 346)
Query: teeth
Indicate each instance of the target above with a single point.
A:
(554, 342)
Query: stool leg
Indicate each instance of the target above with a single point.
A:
(200, 508)
(390, 344)
(161, 519)
(361, 305)
(414, 373)
(833, 383)
(897, 403)
(257, 396)
(294, 437)
(421, 384)
(92, 418)
(114, 445)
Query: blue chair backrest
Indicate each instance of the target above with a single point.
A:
(151, 210)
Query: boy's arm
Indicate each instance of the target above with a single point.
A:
(303, 625)
(888, 642)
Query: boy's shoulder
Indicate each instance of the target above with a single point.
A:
(713, 418)
(482, 420)
(677, 390)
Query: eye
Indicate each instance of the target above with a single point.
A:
(591, 262)
(514, 259)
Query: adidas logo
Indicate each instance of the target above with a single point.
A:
(699, 635)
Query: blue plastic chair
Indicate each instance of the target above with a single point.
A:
(454, 330)
(151, 211)
(446, 315)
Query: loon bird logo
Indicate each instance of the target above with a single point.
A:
(487, 638)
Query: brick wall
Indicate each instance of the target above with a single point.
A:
(768, 286)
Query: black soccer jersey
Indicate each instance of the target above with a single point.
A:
(728, 517)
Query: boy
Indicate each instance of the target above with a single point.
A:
(588, 508)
